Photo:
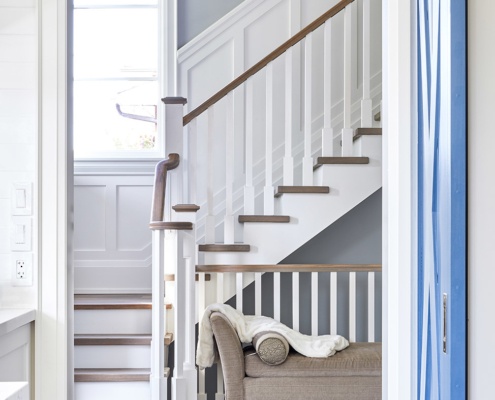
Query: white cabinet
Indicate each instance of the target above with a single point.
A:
(16, 352)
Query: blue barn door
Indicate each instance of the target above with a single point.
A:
(441, 199)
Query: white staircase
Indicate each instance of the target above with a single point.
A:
(256, 181)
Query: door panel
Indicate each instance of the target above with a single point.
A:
(441, 200)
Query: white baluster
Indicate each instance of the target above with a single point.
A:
(201, 285)
(371, 306)
(295, 301)
(257, 293)
(239, 281)
(307, 174)
(229, 222)
(249, 187)
(158, 381)
(352, 306)
(333, 303)
(347, 130)
(179, 382)
(269, 202)
(210, 216)
(276, 296)
(327, 133)
(289, 118)
(220, 299)
(314, 303)
(366, 104)
(192, 173)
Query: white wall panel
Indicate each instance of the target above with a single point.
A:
(266, 33)
(89, 217)
(133, 212)
(209, 74)
(112, 242)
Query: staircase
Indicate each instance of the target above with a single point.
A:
(249, 181)
(112, 346)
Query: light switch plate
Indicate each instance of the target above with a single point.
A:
(22, 198)
(21, 233)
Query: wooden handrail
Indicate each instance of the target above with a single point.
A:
(264, 62)
(291, 268)
(158, 201)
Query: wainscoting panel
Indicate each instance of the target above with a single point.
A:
(112, 242)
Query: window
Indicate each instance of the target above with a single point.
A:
(116, 82)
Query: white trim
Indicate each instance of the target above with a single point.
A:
(51, 356)
(399, 175)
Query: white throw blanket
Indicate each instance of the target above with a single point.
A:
(248, 326)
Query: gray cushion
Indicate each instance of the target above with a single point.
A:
(272, 347)
(359, 359)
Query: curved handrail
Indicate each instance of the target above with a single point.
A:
(265, 61)
(158, 200)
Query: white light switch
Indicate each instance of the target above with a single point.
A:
(22, 198)
(21, 233)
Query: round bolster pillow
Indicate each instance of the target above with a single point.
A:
(272, 347)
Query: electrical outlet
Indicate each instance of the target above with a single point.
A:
(23, 269)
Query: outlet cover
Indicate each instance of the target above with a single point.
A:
(22, 269)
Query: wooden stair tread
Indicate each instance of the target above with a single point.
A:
(367, 132)
(114, 374)
(290, 268)
(342, 160)
(186, 208)
(176, 226)
(301, 189)
(218, 247)
(113, 302)
(116, 339)
(264, 218)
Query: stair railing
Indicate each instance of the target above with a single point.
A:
(262, 128)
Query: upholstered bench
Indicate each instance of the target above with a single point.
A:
(352, 374)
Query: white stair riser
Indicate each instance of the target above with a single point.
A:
(122, 356)
(112, 321)
(112, 390)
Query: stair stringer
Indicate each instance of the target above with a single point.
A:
(310, 213)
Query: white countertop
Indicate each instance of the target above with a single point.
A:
(13, 318)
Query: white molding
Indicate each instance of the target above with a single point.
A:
(51, 355)
(399, 137)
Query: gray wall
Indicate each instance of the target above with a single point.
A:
(194, 16)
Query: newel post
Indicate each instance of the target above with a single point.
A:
(175, 143)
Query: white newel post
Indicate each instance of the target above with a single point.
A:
(347, 131)
(158, 380)
(176, 257)
(174, 143)
(189, 243)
